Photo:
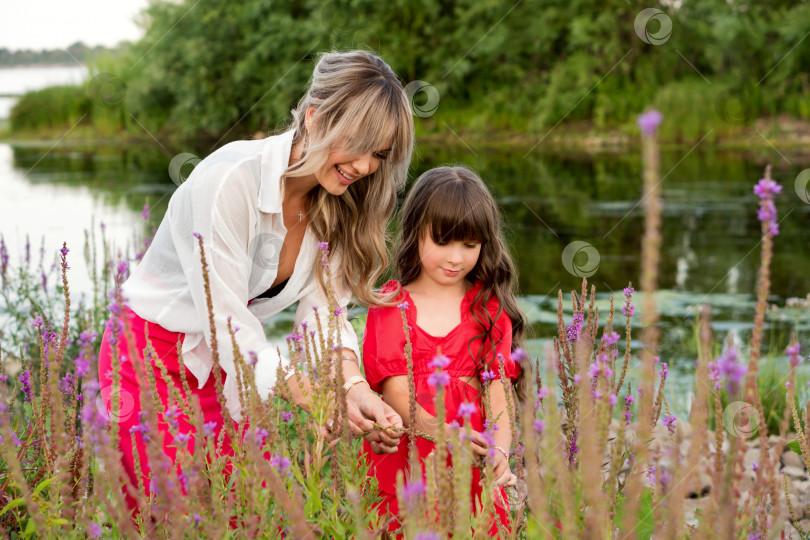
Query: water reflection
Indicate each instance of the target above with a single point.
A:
(711, 234)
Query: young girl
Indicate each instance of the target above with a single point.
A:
(457, 280)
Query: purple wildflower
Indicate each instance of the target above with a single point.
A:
(412, 489)
(575, 328)
(612, 339)
(467, 409)
(142, 427)
(767, 187)
(438, 379)
(765, 190)
(253, 358)
(518, 355)
(94, 530)
(613, 399)
(403, 305)
(794, 352)
(669, 422)
(281, 464)
(182, 438)
(67, 385)
(731, 370)
(145, 212)
(261, 435)
(628, 403)
(429, 535)
(487, 376)
(664, 478)
(286, 416)
(25, 380)
(754, 466)
(539, 425)
(651, 474)
(170, 416)
(209, 427)
(439, 362)
(649, 121)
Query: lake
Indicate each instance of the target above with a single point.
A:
(18, 80)
(549, 201)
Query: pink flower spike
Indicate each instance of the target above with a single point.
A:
(439, 362)
(649, 122)
(467, 409)
(438, 379)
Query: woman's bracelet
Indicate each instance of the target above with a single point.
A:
(349, 358)
(357, 379)
(502, 451)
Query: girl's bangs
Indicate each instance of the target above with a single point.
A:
(453, 214)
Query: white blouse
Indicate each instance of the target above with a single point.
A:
(233, 199)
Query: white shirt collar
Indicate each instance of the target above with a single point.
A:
(275, 157)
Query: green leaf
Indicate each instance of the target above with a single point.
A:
(14, 503)
(42, 485)
(794, 445)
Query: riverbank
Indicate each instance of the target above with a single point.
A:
(787, 136)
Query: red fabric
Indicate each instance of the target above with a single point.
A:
(383, 356)
(164, 344)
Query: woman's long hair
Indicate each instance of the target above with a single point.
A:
(454, 204)
(360, 105)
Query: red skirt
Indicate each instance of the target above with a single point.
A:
(164, 343)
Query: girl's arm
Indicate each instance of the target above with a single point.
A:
(503, 435)
(395, 392)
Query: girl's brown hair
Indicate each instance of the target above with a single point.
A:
(454, 204)
(360, 105)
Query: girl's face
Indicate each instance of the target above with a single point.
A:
(448, 263)
(343, 168)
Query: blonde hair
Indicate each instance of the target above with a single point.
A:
(361, 105)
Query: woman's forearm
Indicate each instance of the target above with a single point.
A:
(299, 389)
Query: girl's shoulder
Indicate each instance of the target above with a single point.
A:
(471, 299)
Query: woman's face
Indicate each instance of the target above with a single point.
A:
(343, 168)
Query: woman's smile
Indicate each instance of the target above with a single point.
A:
(344, 177)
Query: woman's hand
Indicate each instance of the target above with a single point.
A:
(365, 408)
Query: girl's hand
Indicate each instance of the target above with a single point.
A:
(503, 475)
(477, 444)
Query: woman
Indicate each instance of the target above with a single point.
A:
(261, 208)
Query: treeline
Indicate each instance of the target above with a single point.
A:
(214, 68)
(50, 57)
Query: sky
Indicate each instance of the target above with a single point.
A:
(54, 24)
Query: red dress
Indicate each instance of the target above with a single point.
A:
(383, 356)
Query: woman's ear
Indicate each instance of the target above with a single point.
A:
(308, 116)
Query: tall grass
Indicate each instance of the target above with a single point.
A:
(596, 457)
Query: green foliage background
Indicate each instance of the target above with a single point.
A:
(214, 69)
